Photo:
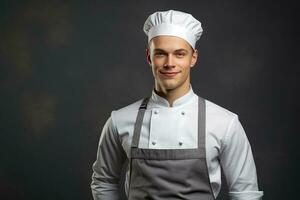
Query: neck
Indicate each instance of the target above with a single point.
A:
(172, 94)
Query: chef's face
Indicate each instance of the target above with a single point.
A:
(171, 59)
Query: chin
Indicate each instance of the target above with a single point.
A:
(169, 85)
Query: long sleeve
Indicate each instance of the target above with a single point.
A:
(238, 164)
(108, 165)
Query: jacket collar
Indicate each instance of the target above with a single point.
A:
(186, 98)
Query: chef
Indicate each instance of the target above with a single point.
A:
(173, 141)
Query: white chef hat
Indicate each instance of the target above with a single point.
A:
(173, 23)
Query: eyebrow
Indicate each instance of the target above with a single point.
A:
(177, 50)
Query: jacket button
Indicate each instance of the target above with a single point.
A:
(180, 143)
(153, 143)
(182, 113)
(155, 111)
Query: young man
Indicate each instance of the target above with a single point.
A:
(175, 141)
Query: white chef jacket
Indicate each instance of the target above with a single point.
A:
(176, 127)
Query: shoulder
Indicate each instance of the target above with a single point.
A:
(219, 120)
(126, 114)
(219, 112)
(127, 110)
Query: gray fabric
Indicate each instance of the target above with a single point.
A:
(201, 123)
(166, 154)
(138, 126)
(162, 174)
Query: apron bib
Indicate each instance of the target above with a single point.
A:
(169, 174)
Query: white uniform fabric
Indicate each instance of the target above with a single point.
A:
(173, 23)
(176, 127)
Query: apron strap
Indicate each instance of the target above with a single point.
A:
(138, 123)
(201, 123)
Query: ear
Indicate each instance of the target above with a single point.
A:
(148, 56)
(194, 58)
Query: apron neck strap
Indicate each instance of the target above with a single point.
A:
(139, 122)
(201, 123)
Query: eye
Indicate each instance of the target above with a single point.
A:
(159, 54)
(180, 54)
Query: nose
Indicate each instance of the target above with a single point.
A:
(169, 61)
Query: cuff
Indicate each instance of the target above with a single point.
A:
(246, 195)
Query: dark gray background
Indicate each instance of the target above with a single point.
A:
(65, 65)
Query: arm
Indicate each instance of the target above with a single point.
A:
(238, 164)
(108, 165)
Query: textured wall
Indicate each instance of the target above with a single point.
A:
(65, 65)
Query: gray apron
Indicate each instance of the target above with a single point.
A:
(163, 174)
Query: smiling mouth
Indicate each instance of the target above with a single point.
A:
(169, 74)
